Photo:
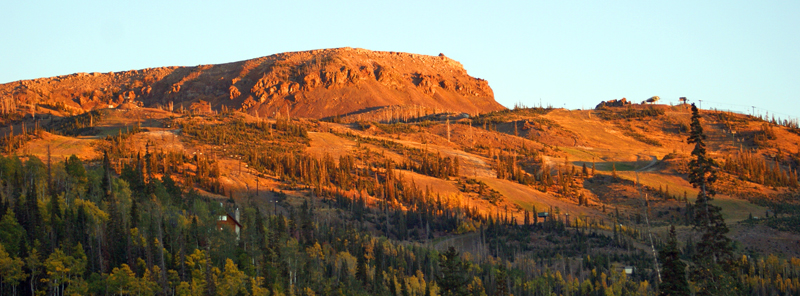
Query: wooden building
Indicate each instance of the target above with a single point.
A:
(230, 222)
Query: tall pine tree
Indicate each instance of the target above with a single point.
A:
(714, 248)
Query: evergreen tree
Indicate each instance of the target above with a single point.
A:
(527, 218)
(378, 285)
(56, 227)
(501, 288)
(172, 188)
(134, 214)
(361, 268)
(105, 182)
(714, 248)
(74, 168)
(32, 221)
(11, 233)
(453, 279)
(673, 269)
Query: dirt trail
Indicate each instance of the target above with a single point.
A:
(650, 166)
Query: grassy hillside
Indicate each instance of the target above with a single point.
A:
(372, 207)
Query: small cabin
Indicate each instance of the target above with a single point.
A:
(229, 222)
(628, 270)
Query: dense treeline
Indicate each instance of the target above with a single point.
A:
(785, 212)
(753, 168)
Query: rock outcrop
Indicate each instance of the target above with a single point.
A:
(613, 103)
(315, 84)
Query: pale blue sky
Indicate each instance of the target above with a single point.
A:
(730, 54)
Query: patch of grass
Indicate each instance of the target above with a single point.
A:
(655, 179)
(734, 210)
(521, 195)
(622, 166)
(579, 154)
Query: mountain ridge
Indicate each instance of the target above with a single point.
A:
(314, 84)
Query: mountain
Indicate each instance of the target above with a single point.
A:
(381, 196)
(313, 84)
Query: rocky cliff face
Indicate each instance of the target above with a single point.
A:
(315, 84)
